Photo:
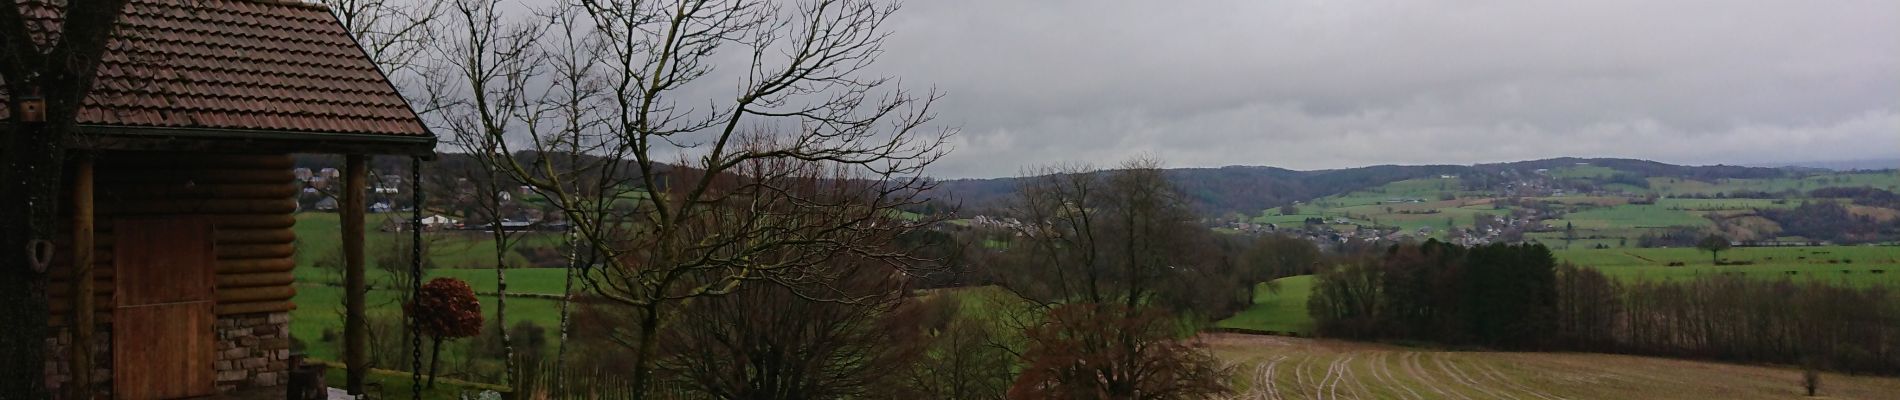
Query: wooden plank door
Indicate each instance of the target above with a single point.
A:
(163, 344)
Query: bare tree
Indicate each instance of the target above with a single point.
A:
(684, 201)
(397, 35)
(1099, 253)
(771, 341)
(58, 68)
(482, 94)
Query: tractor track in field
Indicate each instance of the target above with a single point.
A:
(1491, 372)
(1337, 372)
(1458, 375)
(1414, 364)
(1265, 379)
(1299, 374)
(1383, 364)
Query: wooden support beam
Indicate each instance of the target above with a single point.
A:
(355, 338)
(80, 358)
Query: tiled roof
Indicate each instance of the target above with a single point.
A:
(254, 65)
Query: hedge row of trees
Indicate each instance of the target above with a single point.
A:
(1725, 317)
(1494, 295)
(1517, 296)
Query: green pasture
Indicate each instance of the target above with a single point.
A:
(1278, 311)
(1675, 186)
(320, 309)
(1849, 265)
(523, 280)
(319, 241)
(1583, 171)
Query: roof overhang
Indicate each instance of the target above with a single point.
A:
(138, 138)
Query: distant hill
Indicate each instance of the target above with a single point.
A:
(1249, 189)
(1847, 165)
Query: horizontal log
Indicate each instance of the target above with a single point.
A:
(63, 290)
(198, 207)
(255, 265)
(234, 251)
(195, 176)
(172, 160)
(226, 221)
(246, 251)
(105, 240)
(105, 268)
(60, 305)
(101, 317)
(134, 191)
(255, 307)
(259, 279)
(251, 294)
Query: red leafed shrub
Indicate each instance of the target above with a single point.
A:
(447, 308)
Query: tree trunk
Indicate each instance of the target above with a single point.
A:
(29, 193)
(435, 359)
(567, 300)
(642, 366)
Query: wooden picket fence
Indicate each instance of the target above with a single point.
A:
(538, 381)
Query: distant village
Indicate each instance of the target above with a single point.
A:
(390, 193)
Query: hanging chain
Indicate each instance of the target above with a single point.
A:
(415, 271)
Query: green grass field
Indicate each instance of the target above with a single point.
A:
(1849, 265)
(1286, 310)
(1278, 311)
(319, 240)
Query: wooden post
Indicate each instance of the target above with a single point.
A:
(355, 337)
(82, 281)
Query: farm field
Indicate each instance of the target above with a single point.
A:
(1853, 265)
(318, 241)
(1286, 311)
(1271, 367)
(1281, 311)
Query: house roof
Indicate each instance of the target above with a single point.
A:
(210, 69)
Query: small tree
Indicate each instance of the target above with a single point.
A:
(1714, 244)
(446, 309)
(1810, 379)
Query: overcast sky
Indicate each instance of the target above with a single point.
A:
(1312, 84)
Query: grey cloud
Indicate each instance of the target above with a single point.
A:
(1326, 84)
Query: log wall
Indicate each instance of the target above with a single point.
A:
(250, 199)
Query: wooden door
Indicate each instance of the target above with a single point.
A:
(163, 344)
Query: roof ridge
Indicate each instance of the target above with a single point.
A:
(290, 3)
(293, 3)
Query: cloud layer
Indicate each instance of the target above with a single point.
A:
(1313, 84)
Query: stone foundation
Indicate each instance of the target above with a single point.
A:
(59, 372)
(253, 352)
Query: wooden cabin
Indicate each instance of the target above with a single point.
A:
(182, 182)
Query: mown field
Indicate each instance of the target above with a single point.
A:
(1268, 367)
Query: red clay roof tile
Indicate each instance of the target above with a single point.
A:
(239, 64)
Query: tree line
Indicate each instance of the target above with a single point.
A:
(1519, 297)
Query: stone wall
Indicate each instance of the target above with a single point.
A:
(253, 352)
(58, 372)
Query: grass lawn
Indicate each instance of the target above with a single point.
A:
(320, 309)
(1283, 311)
(319, 241)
